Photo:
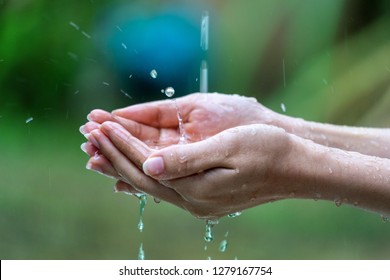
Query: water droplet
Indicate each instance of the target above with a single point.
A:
(205, 247)
(142, 202)
(124, 46)
(141, 253)
(126, 94)
(86, 35)
(235, 214)
(283, 107)
(385, 219)
(156, 200)
(356, 203)
(253, 131)
(338, 202)
(153, 74)
(30, 119)
(183, 159)
(204, 36)
(223, 246)
(209, 235)
(169, 91)
(106, 84)
(140, 225)
(71, 23)
(317, 197)
(237, 170)
(330, 170)
(130, 76)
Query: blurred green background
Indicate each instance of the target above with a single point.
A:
(326, 61)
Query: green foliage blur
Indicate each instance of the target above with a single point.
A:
(326, 61)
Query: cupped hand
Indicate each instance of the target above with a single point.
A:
(204, 115)
(236, 169)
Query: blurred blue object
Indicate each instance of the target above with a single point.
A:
(138, 38)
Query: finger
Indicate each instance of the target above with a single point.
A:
(88, 127)
(184, 160)
(134, 149)
(102, 165)
(99, 116)
(126, 169)
(124, 187)
(89, 148)
(139, 130)
(156, 114)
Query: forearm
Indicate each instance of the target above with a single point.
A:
(340, 176)
(368, 141)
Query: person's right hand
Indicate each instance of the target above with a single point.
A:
(204, 115)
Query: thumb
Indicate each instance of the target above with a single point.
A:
(179, 161)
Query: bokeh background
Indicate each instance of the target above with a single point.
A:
(326, 61)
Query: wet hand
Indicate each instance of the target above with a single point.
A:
(204, 115)
(231, 171)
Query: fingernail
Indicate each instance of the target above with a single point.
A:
(81, 129)
(83, 148)
(94, 168)
(93, 140)
(153, 166)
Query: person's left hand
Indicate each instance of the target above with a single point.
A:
(231, 171)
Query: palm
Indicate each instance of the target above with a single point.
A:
(204, 115)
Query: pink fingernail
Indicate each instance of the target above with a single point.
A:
(153, 166)
(82, 130)
(94, 168)
(83, 148)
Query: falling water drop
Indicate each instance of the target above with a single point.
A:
(283, 107)
(141, 253)
(142, 202)
(235, 214)
(169, 91)
(338, 202)
(385, 219)
(153, 74)
(30, 119)
(223, 245)
(209, 235)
